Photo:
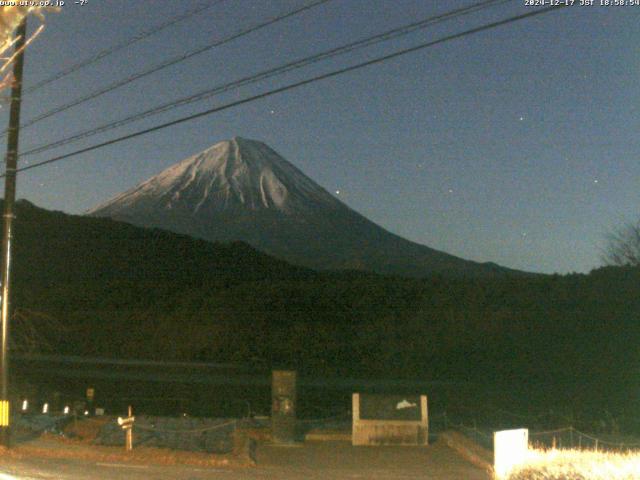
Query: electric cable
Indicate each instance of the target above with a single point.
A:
(167, 63)
(119, 46)
(294, 85)
(290, 66)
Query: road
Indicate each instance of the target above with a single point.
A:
(311, 461)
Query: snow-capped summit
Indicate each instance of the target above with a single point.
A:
(243, 190)
(231, 175)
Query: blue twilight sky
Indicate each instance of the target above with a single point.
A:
(517, 145)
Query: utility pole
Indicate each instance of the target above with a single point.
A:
(9, 200)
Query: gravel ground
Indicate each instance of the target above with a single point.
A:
(311, 461)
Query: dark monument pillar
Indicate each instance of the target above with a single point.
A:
(283, 406)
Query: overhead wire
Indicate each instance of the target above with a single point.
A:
(120, 46)
(285, 68)
(297, 84)
(168, 63)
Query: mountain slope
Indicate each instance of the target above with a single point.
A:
(243, 190)
(52, 248)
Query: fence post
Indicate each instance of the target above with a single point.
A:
(596, 444)
(130, 432)
(127, 426)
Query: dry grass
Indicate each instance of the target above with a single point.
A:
(578, 465)
(86, 430)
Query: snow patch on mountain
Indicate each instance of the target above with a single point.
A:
(237, 173)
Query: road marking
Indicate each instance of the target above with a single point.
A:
(120, 465)
(6, 476)
(208, 470)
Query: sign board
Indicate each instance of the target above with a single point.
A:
(510, 449)
(390, 419)
(126, 423)
(390, 407)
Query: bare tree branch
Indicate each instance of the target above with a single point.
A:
(35, 332)
(623, 246)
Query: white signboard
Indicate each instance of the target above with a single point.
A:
(509, 450)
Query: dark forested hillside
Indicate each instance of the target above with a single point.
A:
(123, 291)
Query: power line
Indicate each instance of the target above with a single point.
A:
(290, 66)
(103, 361)
(119, 46)
(292, 86)
(168, 63)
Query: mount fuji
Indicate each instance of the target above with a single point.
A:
(243, 190)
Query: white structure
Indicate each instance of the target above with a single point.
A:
(389, 420)
(510, 449)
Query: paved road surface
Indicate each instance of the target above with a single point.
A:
(312, 461)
